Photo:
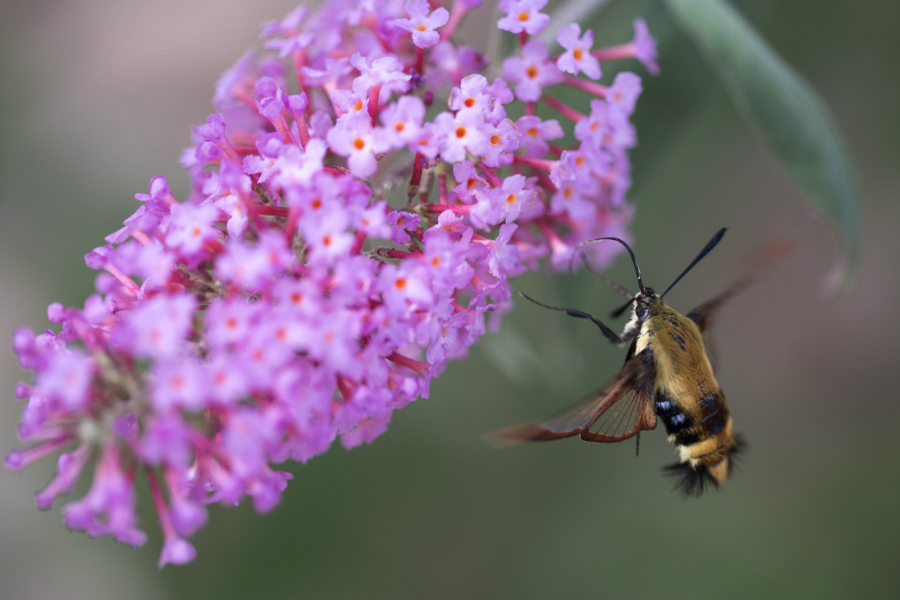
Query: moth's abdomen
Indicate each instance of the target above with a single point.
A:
(702, 432)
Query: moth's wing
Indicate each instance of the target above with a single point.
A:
(570, 421)
(760, 260)
(703, 316)
(632, 408)
(754, 265)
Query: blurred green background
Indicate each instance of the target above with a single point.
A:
(96, 97)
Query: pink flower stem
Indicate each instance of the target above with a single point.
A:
(420, 61)
(490, 175)
(44, 433)
(442, 188)
(65, 479)
(273, 211)
(303, 130)
(460, 308)
(456, 15)
(334, 170)
(555, 242)
(530, 109)
(563, 109)
(291, 226)
(537, 163)
(587, 86)
(371, 22)
(416, 178)
(523, 38)
(17, 460)
(140, 236)
(546, 181)
(459, 209)
(614, 52)
(130, 285)
(346, 387)
(477, 282)
(165, 520)
(400, 254)
(229, 150)
(374, 92)
(251, 207)
(358, 242)
(246, 98)
(410, 363)
(299, 59)
(282, 128)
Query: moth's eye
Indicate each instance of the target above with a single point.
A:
(640, 311)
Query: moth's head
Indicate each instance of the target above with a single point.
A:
(645, 303)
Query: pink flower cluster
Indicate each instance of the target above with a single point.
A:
(345, 236)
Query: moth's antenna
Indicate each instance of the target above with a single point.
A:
(637, 270)
(608, 282)
(712, 244)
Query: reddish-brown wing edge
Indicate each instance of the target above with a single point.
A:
(578, 418)
(636, 405)
(634, 408)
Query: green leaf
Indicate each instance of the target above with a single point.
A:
(788, 113)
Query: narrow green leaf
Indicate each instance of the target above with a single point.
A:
(788, 113)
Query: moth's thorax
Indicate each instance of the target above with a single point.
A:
(682, 366)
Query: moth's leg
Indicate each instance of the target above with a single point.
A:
(631, 331)
(609, 333)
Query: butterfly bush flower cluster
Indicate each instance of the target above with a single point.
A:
(358, 204)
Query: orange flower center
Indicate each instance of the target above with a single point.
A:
(420, 27)
(399, 126)
(400, 283)
(470, 102)
(460, 132)
(533, 132)
(359, 143)
(577, 53)
(495, 140)
(511, 198)
(523, 16)
(532, 72)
